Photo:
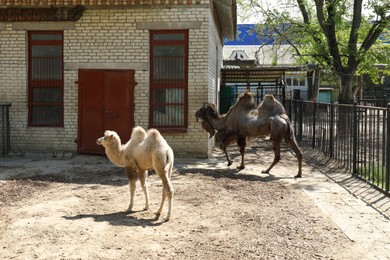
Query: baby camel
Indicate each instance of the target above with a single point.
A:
(144, 151)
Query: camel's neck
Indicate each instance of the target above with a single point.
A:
(116, 154)
(217, 123)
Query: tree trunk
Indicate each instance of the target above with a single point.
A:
(313, 80)
(347, 93)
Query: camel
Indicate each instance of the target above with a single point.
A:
(144, 151)
(244, 120)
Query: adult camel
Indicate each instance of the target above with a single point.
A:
(244, 120)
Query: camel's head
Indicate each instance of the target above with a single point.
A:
(207, 109)
(108, 138)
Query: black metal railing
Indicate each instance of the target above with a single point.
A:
(4, 129)
(356, 136)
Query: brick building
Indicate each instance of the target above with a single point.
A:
(73, 68)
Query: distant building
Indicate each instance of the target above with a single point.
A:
(245, 53)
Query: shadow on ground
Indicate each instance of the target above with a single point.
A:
(118, 219)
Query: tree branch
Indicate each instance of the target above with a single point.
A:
(354, 35)
(375, 30)
(328, 26)
(304, 12)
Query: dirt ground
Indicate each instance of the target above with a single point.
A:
(75, 209)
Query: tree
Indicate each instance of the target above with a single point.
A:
(346, 37)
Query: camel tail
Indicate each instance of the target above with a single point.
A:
(169, 160)
(290, 136)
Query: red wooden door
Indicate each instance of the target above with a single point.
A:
(106, 102)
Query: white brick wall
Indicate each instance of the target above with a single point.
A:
(110, 39)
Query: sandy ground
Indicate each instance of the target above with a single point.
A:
(74, 208)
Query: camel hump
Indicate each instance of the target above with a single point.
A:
(138, 134)
(154, 133)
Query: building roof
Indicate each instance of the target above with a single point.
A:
(260, 74)
(247, 35)
(227, 16)
(48, 3)
(226, 10)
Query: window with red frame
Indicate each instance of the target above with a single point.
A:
(168, 80)
(45, 79)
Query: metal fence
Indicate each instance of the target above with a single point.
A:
(4, 129)
(354, 135)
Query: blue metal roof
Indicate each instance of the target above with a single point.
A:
(246, 35)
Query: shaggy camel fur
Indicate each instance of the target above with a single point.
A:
(144, 151)
(244, 119)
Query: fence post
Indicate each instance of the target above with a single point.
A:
(313, 142)
(301, 120)
(354, 138)
(331, 130)
(388, 150)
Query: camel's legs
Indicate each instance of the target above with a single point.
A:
(276, 148)
(241, 142)
(170, 199)
(166, 192)
(132, 177)
(298, 153)
(164, 195)
(142, 178)
(223, 147)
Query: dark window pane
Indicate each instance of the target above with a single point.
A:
(288, 82)
(168, 68)
(169, 109)
(56, 37)
(46, 51)
(295, 82)
(47, 95)
(166, 36)
(169, 95)
(47, 115)
(173, 115)
(46, 68)
(171, 51)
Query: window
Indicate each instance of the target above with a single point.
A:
(168, 80)
(45, 78)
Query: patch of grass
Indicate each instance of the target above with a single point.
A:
(375, 174)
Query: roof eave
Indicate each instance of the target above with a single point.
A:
(227, 17)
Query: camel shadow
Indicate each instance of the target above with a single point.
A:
(121, 218)
(234, 174)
